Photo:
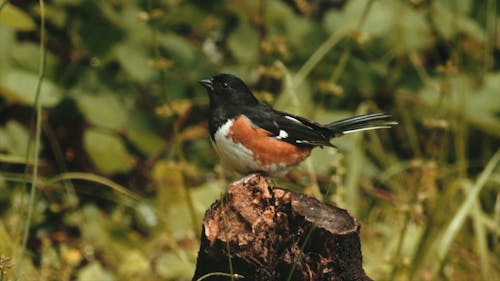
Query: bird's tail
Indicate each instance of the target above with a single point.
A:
(360, 123)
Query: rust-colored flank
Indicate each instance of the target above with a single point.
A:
(267, 150)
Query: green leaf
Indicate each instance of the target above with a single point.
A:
(168, 178)
(135, 265)
(463, 7)
(16, 18)
(170, 266)
(14, 138)
(180, 49)
(478, 103)
(97, 34)
(378, 22)
(108, 153)
(483, 106)
(203, 196)
(295, 99)
(94, 271)
(146, 216)
(282, 21)
(190, 14)
(103, 110)
(27, 55)
(140, 132)
(7, 39)
(243, 43)
(68, 2)
(450, 20)
(19, 87)
(56, 14)
(134, 59)
(365, 81)
(128, 20)
(410, 31)
(398, 24)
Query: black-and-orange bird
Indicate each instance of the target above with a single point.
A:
(251, 136)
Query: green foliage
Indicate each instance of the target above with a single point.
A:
(16, 18)
(474, 100)
(108, 153)
(243, 44)
(14, 139)
(103, 110)
(126, 171)
(18, 87)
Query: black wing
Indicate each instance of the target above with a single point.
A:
(288, 127)
(301, 131)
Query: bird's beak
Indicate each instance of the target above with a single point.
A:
(207, 83)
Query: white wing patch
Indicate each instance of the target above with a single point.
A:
(282, 135)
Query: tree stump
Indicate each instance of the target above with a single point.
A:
(274, 233)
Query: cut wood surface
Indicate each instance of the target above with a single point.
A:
(273, 233)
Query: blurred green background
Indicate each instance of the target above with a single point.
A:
(126, 169)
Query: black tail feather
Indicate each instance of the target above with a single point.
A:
(359, 123)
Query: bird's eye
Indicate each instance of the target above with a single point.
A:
(225, 85)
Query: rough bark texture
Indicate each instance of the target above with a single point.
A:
(271, 229)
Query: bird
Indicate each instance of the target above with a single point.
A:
(252, 137)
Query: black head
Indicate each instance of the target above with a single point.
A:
(228, 90)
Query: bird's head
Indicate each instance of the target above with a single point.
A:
(227, 89)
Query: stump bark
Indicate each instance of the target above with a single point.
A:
(274, 233)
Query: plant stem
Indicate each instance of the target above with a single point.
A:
(38, 131)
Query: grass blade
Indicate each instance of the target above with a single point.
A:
(95, 178)
(481, 240)
(443, 245)
(38, 132)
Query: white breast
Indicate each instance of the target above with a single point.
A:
(235, 155)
